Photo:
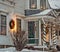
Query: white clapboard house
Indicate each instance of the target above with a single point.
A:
(39, 18)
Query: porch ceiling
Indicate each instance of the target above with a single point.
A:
(44, 14)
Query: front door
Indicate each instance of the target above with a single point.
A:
(31, 32)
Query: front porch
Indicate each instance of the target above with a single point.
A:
(45, 30)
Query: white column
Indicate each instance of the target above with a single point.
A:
(22, 24)
(39, 32)
(50, 34)
(26, 27)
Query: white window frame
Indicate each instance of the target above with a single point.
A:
(3, 14)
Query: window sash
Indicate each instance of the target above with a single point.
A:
(3, 30)
(43, 4)
(33, 4)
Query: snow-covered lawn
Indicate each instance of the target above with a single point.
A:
(12, 49)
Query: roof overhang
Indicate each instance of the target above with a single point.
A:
(54, 4)
(43, 14)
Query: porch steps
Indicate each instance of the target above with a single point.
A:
(39, 48)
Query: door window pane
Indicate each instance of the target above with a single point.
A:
(31, 41)
(31, 29)
(31, 32)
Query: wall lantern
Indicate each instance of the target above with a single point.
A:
(12, 24)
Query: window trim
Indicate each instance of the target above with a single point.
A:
(31, 2)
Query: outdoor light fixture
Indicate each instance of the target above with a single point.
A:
(12, 24)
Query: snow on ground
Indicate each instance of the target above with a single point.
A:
(12, 49)
(26, 50)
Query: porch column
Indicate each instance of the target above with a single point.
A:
(26, 27)
(39, 32)
(50, 34)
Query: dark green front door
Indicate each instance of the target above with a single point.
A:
(31, 32)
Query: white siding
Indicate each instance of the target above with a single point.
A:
(19, 8)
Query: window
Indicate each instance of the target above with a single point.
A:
(33, 4)
(42, 4)
(18, 25)
(2, 25)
